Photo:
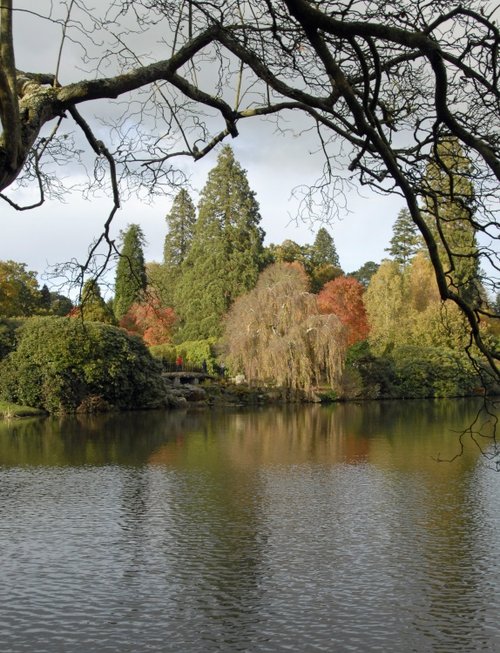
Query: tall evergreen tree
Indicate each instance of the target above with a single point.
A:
(131, 278)
(324, 263)
(181, 222)
(324, 251)
(406, 240)
(225, 256)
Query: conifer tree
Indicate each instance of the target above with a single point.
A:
(405, 241)
(45, 298)
(324, 251)
(181, 221)
(324, 263)
(225, 256)
(131, 271)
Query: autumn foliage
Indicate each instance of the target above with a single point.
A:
(151, 321)
(344, 297)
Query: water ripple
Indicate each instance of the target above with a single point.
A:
(214, 556)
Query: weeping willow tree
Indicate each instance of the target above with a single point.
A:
(275, 333)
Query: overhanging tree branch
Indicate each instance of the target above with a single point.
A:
(381, 83)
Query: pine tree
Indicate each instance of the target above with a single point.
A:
(324, 251)
(45, 298)
(131, 271)
(406, 240)
(181, 222)
(225, 256)
(323, 264)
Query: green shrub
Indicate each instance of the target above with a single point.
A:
(8, 330)
(61, 362)
(409, 372)
(376, 372)
(432, 372)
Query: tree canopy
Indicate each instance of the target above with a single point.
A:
(344, 297)
(450, 210)
(225, 256)
(381, 84)
(60, 364)
(19, 293)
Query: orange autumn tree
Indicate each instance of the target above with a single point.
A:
(148, 319)
(344, 297)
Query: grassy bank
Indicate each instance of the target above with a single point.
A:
(8, 410)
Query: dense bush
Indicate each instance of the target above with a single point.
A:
(408, 372)
(376, 374)
(8, 330)
(62, 363)
(433, 372)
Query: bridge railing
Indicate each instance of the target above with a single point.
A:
(184, 367)
(191, 367)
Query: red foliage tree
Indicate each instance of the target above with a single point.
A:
(344, 297)
(154, 323)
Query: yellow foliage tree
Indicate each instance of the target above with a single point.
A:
(404, 308)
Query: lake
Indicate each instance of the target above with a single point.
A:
(316, 528)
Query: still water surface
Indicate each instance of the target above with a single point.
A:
(294, 529)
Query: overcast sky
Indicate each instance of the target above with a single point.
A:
(57, 231)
